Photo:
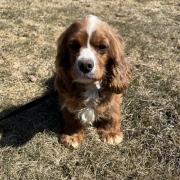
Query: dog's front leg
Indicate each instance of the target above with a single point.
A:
(72, 133)
(109, 127)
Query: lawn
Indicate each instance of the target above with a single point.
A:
(29, 147)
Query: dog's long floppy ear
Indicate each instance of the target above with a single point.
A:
(63, 79)
(119, 69)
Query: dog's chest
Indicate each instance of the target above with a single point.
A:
(91, 98)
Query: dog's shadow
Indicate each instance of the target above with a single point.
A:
(19, 129)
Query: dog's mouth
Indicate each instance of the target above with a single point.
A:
(83, 77)
(84, 80)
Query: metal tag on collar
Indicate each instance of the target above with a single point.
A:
(98, 84)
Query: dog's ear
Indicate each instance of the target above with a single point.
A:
(63, 80)
(118, 67)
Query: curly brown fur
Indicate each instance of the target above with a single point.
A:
(91, 91)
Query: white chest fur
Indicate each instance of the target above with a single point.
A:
(87, 115)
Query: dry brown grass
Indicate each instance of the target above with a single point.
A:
(29, 147)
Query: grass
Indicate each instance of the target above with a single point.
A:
(29, 146)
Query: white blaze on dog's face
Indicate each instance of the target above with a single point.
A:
(88, 49)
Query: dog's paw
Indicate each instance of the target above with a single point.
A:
(112, 137)
(71, 141)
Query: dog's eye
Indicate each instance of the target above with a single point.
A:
(102, 47)
(74, 45)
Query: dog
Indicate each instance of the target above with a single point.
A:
(91, 76)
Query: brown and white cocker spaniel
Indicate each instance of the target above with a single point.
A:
(92, 74)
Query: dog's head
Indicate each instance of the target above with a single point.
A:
(90, 51)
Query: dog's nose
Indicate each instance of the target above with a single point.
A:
(86, 65)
